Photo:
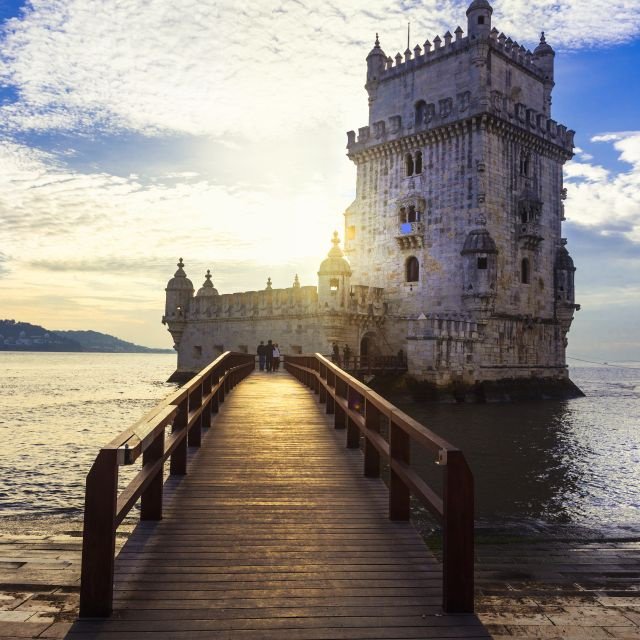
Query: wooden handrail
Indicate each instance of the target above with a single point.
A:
(186, 411)
(359, 409)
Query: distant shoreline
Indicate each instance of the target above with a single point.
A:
(45, 350)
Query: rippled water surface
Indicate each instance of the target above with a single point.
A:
(549, 464)
(554, 465)
(56, 410)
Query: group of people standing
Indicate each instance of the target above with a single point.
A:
(335, 354)
(268, 356)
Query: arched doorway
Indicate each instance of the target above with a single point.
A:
(368, 348)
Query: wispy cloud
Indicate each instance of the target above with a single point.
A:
(217, 67)
(605, 200)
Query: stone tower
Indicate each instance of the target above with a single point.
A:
(458, 207)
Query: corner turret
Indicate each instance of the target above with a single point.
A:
(479, 269)
(179, 293)
(207, 289)
(479, 19)
(376, 62)
(334, 278)
(178, 300)
(543, 57)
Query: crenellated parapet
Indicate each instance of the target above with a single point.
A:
(494, 76)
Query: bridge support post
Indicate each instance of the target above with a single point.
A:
(331, 382)
(151, 498)
(208, 410)
(322, 370)
(178, 464)
(340, 417)
(399, 492)
(215, 405)
(371, 454)
(99, 536)
(353, 432)
(195, 432)
(457, 575)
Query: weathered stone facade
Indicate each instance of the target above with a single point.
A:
(453, 241)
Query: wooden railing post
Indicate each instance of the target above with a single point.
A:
(215, 405)
(331, 382)
(457, 575)
(195, 432)
(151, 499)
(322, 396)
(339, 417)
(99, 536)
(178, 464)
(208, 410)
(371, 454)
(353, 431)
(399, 492)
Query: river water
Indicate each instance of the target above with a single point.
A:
(538, 467)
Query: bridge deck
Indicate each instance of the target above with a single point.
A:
(276, 534)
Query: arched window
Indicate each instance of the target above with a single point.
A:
(524, 271)
(412, 214)
(408, 162)
(421, 112)
(480, 19)
(413, 269)
(403, 214)
(418, 162)
(525, 162)
(334, 283)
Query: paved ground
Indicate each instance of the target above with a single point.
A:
(541, 590)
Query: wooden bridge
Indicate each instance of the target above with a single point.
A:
(278, 531)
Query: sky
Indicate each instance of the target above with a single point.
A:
(133, 133)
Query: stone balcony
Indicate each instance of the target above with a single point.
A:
(529, 235)
(410, 235)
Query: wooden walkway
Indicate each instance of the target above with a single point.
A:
(276, 534)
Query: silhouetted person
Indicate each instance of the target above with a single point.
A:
(262, 355)
(276, 357)
(335, 355)
(347, 355)
(269, 355)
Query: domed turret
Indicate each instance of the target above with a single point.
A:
(207, 289)
(479, 19)
(335, 263)
(564, 271)
(479, 269)
(179, 293)
(333, 278)
(543, 56)
(376, 61)
(479, 241)
(179, 282)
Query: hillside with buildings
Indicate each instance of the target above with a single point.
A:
(23, 336)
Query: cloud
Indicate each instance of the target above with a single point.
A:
(607, 201)
(4, 260)
(213, 67)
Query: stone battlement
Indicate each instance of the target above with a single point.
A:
(432, 53)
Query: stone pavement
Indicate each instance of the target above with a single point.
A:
(555, 589)
(39, 582)
(528, 589)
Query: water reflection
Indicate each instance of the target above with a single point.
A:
(558, 464)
